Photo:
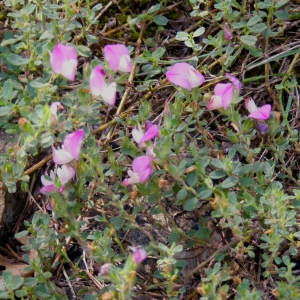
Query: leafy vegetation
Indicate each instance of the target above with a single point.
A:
(182, 144)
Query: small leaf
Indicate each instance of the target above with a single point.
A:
(84, 51)
(5, 110)
(199, 32)
(191, 204)
(182, 36)
(249, 40)
(160, 20)
(16, 60)
(37, 83)
(229, 182)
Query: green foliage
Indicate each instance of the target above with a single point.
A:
(213, 169)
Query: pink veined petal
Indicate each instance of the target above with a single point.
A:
(97, 80)
(143, 166)
(137, 134)
(195, 77)
(125, 64)
(250, 105)
(118, 58)
(108, 93)
(65, 173)
(57, 58)
(142, 162)
(145, 174)
(225, 91)
(69, 69)
(151, 133)
(262, 113)
(63, 60)
(61, 156)
(72, 143)
(237, 84)
(47, 189)
(185, 76)
(215, 102)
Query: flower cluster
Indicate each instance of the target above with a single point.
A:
(63, 60)
(142, 165)
(63, 172)
(187, 77)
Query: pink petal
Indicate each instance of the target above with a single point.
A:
(108, 93)
(97, 80)
(61, 156)
(133, 178)
(142, 165)
(185, 76)
(250, 105)
(139, 254)
(262, 113)
(225, 91)
(72, 143)
(137, 134)
(47, 189)
(63, 60)
(118, 58)
(151, 133)
(227, 32)
(237, 84)
(65, 173)
(215, 102)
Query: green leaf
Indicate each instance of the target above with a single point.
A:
(84, 51)
(249, 40)
(182, 36)
(254, 20)
(37, 83)
(191, 204)
(5, 110)
(154, 8)
(229, 182)
(118, 222)
(258, 28)
(16, 60)
(181, 195)
(217, 163)
(199, 32)
(160, 20)
(217, 174)
(46, 140)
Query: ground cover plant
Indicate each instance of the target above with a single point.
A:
(157, 146)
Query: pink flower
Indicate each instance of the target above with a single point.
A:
(63, 61)
(227, 32)
(70, 149)
(139, 254)
(185, 75)
(99, 87)
(141, 170)
(224, 93)
(258, 113)
(140, 137)
(64, 174)
(118, 58)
